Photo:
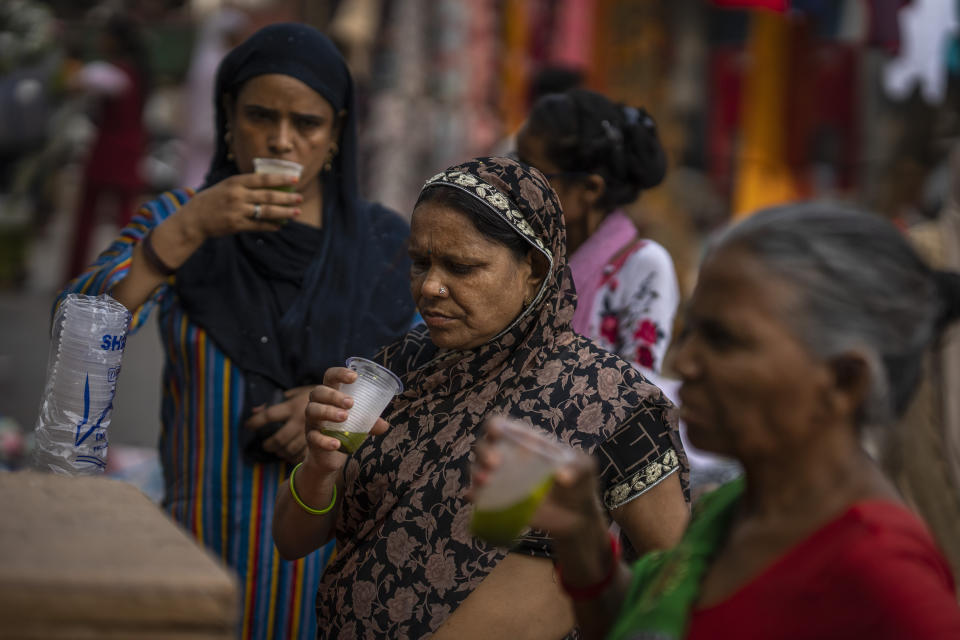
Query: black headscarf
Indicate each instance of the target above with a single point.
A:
(285, 305)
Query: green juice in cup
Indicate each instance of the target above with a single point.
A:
(503, 526)
(529, 457)
(372, 391)
(349, 440)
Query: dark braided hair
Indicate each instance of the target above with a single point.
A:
(584, 132)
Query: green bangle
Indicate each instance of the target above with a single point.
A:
(310, 510)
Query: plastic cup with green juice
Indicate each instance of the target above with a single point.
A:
(504, 505)
(372, 391)
(281, 167)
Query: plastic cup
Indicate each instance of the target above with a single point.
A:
(372, 391)
(279, 167)
(504, 505)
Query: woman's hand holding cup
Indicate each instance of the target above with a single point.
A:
(244, 202)
(570, 508)
(329, 405)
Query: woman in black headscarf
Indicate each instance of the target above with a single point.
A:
(260, 290)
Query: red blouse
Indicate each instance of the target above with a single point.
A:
(874, 572)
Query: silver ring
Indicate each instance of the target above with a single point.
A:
(442, 291)
(257, 211)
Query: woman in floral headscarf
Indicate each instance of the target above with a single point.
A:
(490, 278)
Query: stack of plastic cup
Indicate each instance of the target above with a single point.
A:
(372, 391)
(88, 338)
(528, 460)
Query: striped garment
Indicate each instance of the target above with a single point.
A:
(210, 489)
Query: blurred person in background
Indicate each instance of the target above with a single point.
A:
(262, 282)
(808, 326)
(600, 156)
(118, 84)
(220, 32)
(552, 79)
(923, 454)
(545, 81)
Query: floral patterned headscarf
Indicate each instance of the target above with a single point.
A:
(406, 558)
(522, 197)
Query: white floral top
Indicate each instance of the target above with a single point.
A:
(636, 299)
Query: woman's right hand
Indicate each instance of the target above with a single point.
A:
(328, 404)
(230, 205)
(226, 207)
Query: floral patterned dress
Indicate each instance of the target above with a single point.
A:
(629, 294)
(405, 556)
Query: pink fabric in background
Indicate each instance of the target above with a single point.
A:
(573, 45)
(589, 260)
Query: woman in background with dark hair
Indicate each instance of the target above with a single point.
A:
(600, 156)
(120, 83)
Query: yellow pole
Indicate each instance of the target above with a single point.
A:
(763, 177)
(513, 101)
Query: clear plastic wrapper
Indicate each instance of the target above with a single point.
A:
(88, 337)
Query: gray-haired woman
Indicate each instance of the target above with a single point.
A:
(808, 325)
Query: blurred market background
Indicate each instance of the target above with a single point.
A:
(757, 101)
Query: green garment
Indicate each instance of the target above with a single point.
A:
(666, 584)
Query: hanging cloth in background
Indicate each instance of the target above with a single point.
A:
(354, 27)
(772, 5)
(883, 24)
(479, 75)
(573, 44)
(926, 28)
(434, 95)
(763, 176)
(516, 32)
(400, 115)
(451, 20)
(725, 72)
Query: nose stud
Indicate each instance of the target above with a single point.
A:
(442, 291)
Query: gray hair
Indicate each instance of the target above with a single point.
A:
(862, 288)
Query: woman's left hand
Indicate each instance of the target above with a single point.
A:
(289, 442)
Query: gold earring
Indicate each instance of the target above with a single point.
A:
(228, 138)
(334, 149)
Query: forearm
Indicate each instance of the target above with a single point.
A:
(656, 519)
(585, 561)
(296, 532)
(174, 240)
